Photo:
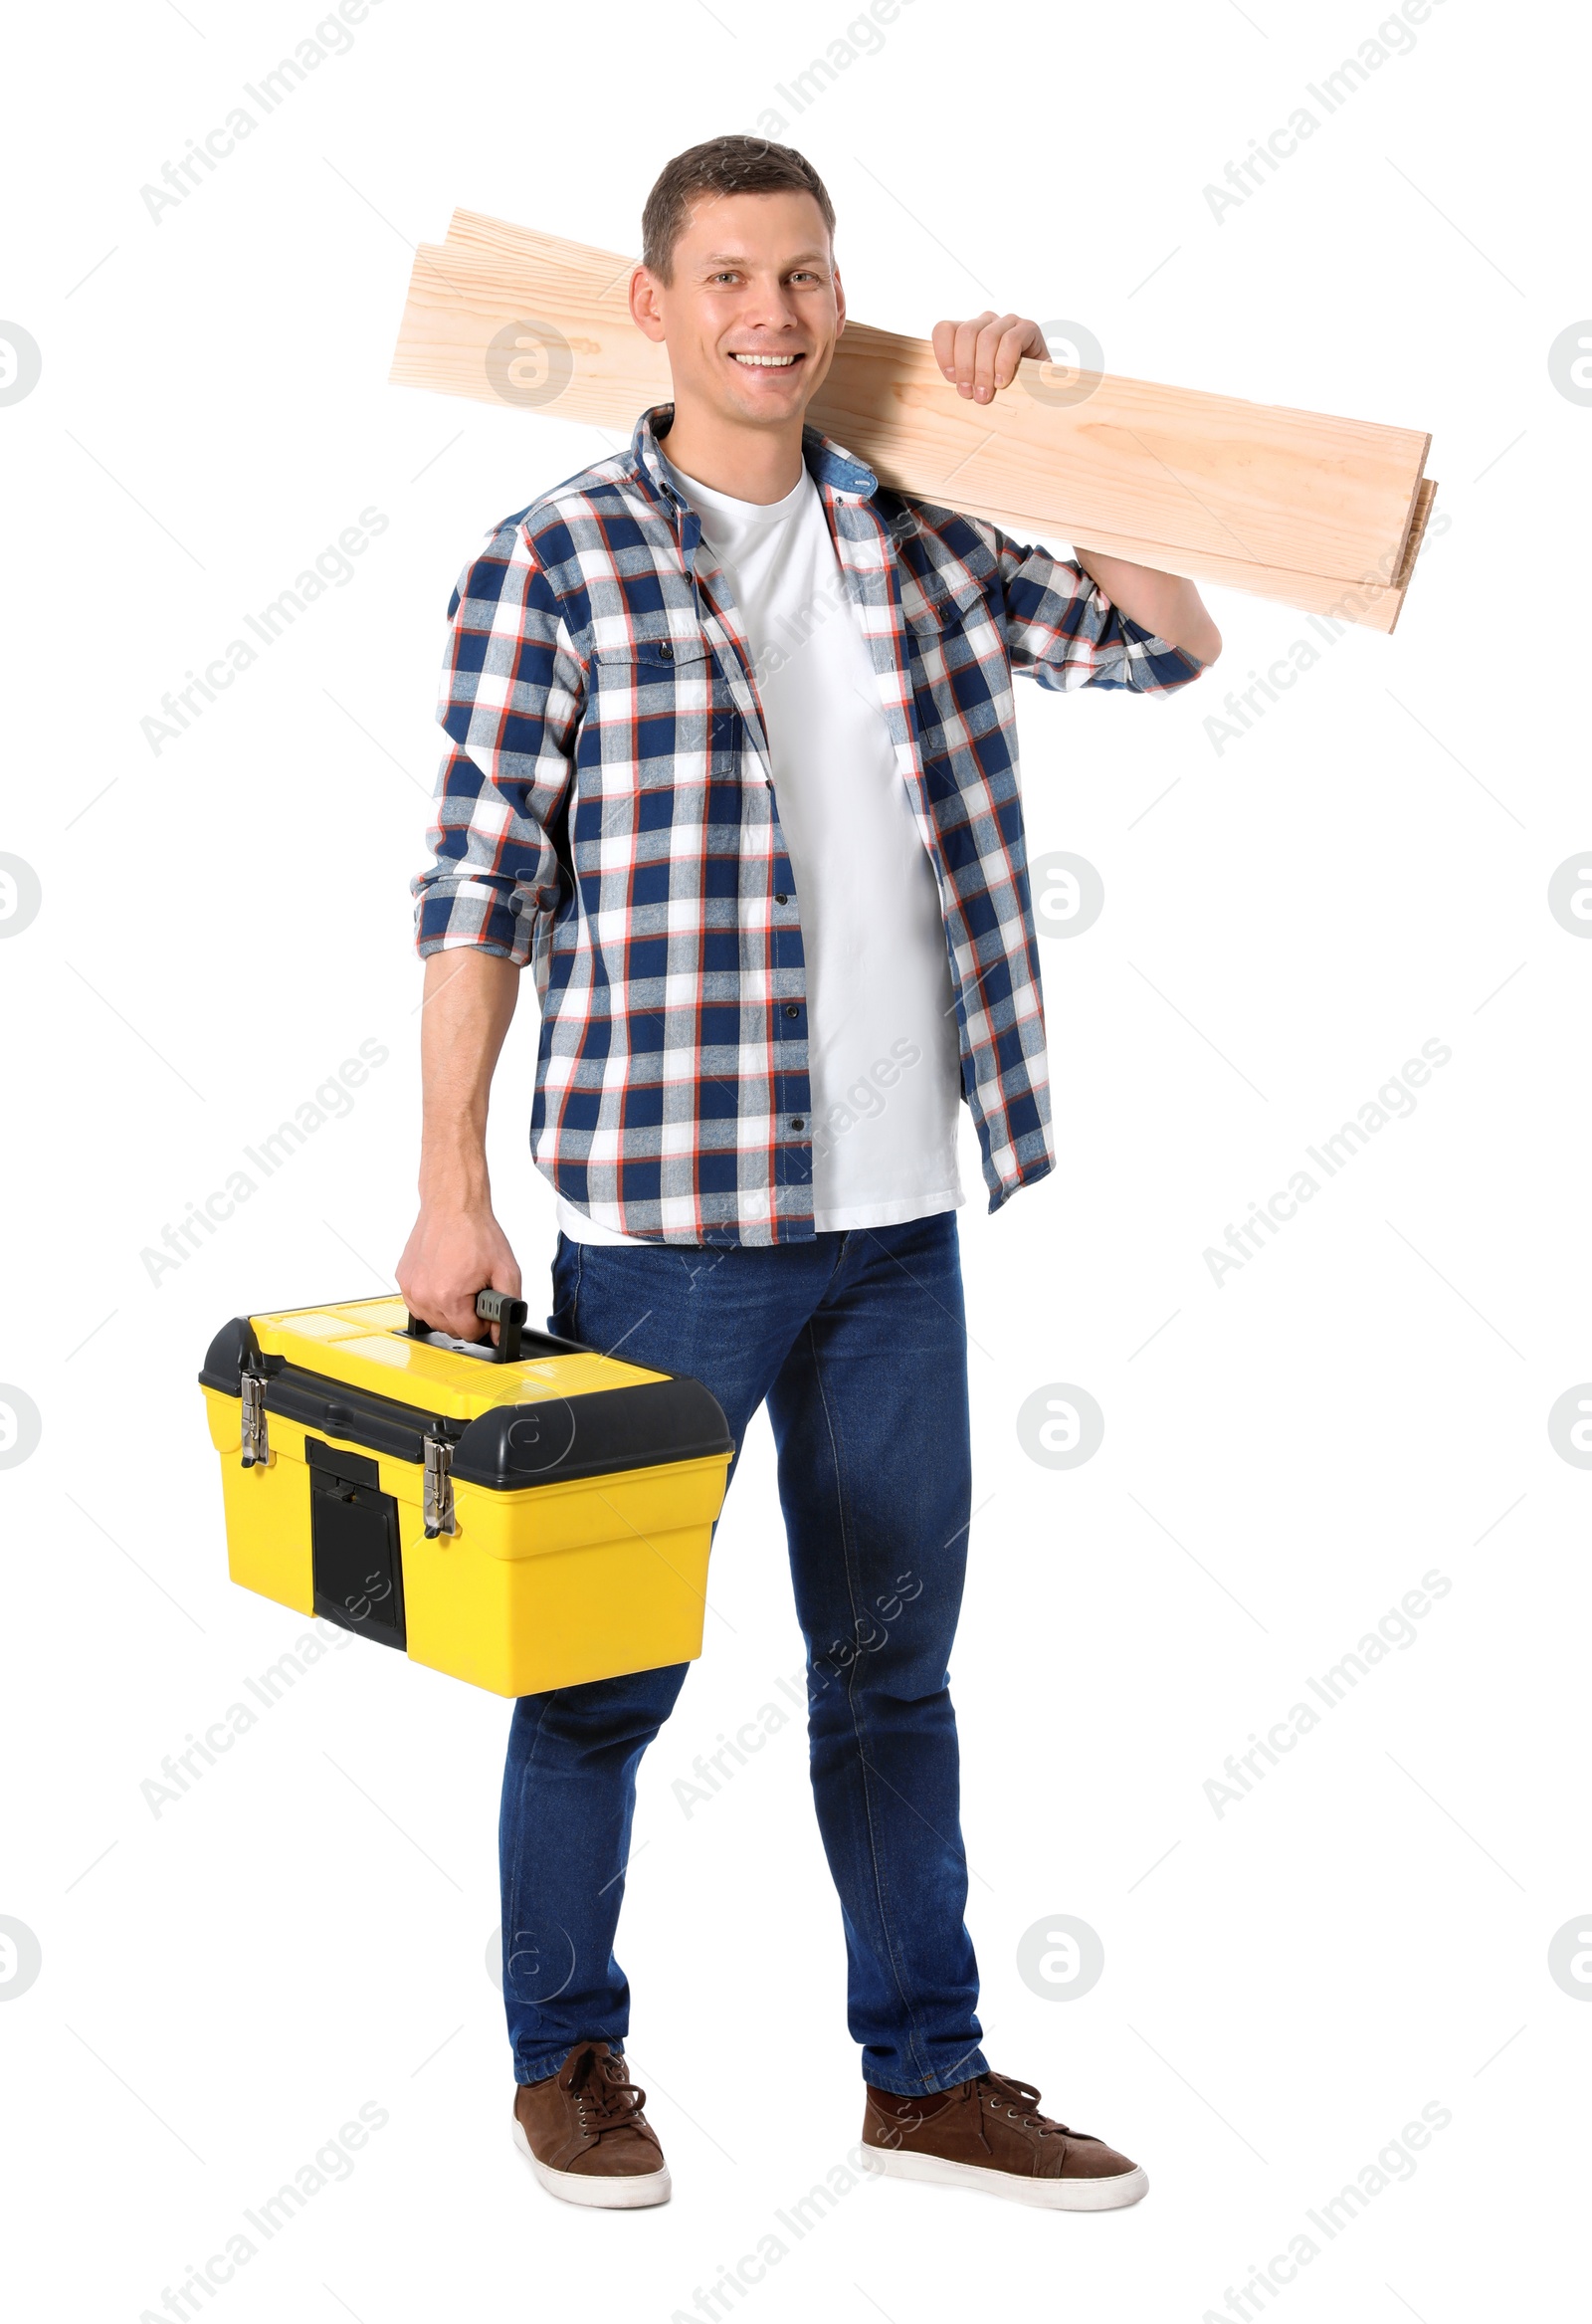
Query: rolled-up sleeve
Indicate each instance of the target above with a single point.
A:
(1063, 631)
(512, 695)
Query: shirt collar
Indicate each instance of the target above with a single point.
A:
(838, 470)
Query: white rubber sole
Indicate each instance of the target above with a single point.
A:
(628, 2193)
(1043, 2193)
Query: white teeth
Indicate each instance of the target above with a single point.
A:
(767, 362)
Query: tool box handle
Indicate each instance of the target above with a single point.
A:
(492, 1307)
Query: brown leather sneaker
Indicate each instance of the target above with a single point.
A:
(989, 2133)
(584, 2134)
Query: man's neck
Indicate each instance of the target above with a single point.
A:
(762, 465)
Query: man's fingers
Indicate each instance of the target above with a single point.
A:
(982, 354)
(984, 351)
(962, 356)
(444, 1269)
(447, 1312)
(987, 375)
(964, 361)
(1016, 342)
(989, 340)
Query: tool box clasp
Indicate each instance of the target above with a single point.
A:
(255, 1437)
(437, 1489)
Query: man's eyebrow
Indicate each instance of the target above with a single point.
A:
(738, 258)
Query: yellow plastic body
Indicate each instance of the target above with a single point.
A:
(545, 1588)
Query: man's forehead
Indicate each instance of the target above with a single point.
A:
(709, 214)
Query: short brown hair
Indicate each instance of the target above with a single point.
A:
(723, 165)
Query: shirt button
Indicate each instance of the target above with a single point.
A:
(665, 652)
(798, 1122)
(791, 1009)
(781, 898)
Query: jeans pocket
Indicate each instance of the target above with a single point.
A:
(565, 1271)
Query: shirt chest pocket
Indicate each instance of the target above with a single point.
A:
(935, 606)
(660, 712)
(958, 669)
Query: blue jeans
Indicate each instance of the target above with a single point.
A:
(857, 1342)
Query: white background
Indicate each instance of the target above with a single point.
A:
(1284, 1456)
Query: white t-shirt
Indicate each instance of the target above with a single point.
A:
(882, 1056)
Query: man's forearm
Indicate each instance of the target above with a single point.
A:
(1162, 602)
(457, 1248)
(470, 998)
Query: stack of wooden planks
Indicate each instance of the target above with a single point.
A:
(1319, 512)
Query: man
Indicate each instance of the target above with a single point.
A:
(733, 767)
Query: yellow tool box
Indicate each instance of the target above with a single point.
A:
(523, 1516)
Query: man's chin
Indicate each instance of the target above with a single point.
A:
(746, 405)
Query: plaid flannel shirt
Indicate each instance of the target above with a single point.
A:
(607, 814)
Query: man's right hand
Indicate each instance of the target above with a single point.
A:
(454, 1252)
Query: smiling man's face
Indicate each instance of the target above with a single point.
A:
(753, 311)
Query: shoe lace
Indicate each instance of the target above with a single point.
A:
(1000, 2094)
(605, 2099)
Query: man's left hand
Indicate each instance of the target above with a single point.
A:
(983, 355)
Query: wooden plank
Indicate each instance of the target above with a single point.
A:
(568, 269)
(1365, 601)
(1373, 602)
(1369, 599)
(457, 307)
(1292, 491)
(497, 238)
(1243, 495)
(1423, 510)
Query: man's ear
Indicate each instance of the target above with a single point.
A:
(840, 304)
(645, 309)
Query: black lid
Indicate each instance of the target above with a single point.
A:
(233, 1346)
(559, 1438)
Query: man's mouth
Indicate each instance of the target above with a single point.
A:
(754, 362)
